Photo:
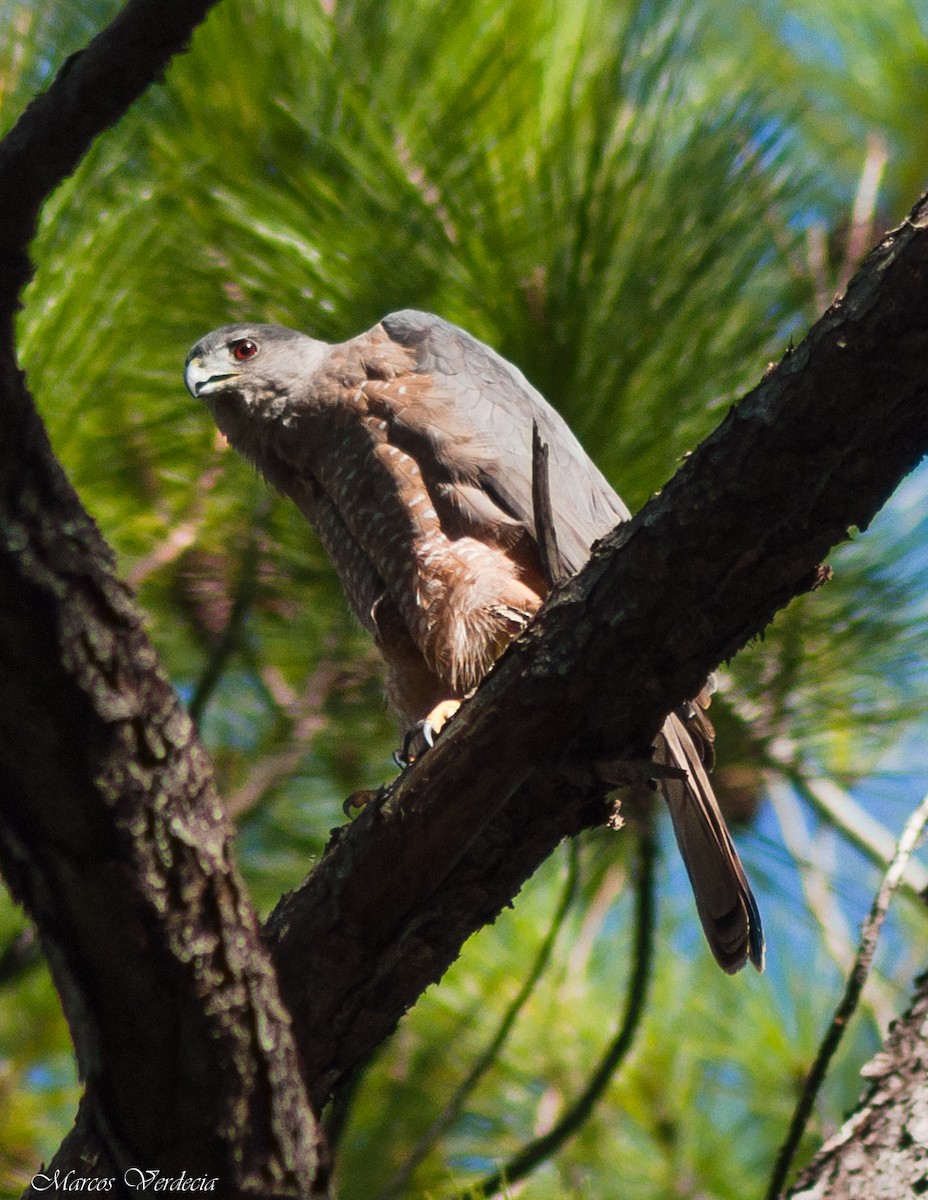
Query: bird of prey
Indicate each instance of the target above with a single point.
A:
(409, 449)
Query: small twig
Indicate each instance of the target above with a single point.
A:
(873, 839)
(907, 842)
(489, 1055)
(863, 215)
(264, 776)
(542, 1148)
(542, 512)
(180, 537)
(819, 894)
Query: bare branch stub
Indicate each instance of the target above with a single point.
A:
(541, 505)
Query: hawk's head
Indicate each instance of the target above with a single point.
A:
(251, 366)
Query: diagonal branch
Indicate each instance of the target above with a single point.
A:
(821, 900)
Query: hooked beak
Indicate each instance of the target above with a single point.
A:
(201, 381)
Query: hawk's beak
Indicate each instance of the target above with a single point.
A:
(200, 380)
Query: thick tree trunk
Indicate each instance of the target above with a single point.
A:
(881, 1150)
(111, 833)
(112, 836)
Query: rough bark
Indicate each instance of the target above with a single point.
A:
(111, 833)
(881, 1151)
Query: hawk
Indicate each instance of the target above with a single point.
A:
(409, 449)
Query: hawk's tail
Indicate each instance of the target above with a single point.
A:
(724, 900)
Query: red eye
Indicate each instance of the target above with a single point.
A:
(243, 349)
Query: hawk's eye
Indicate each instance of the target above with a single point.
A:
(243, 349)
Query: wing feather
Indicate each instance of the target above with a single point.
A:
(479, 426)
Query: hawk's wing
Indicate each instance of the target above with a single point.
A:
(477, 422)
(477, 426)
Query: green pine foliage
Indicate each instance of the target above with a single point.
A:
(616, 194)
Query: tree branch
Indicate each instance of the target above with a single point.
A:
(93, 89)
